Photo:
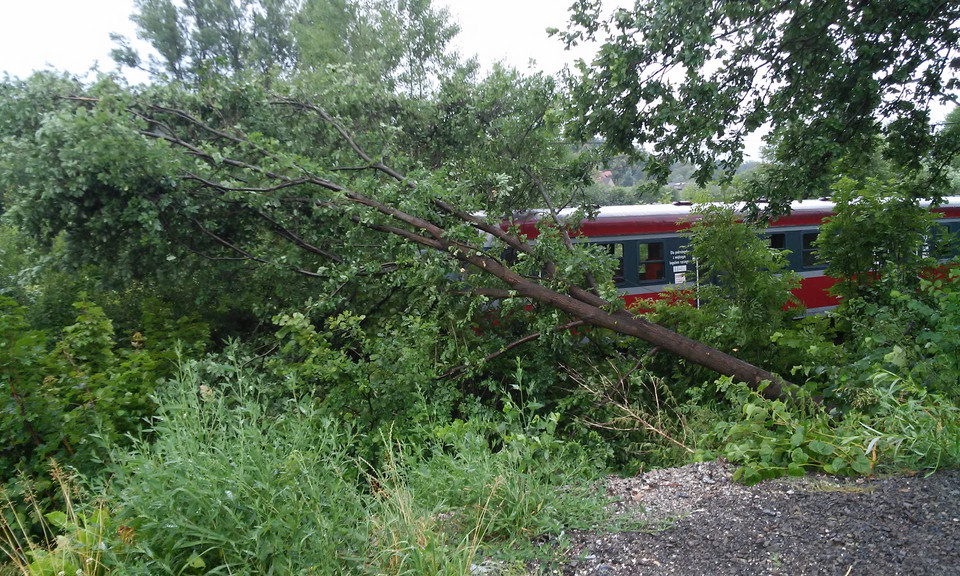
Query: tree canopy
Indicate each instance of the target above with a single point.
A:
(688, 80)
(245, 175)
(312, 228)
(404, 43)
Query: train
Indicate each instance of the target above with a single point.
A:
(650, 243)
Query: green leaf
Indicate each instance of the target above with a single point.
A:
(798, 456)
(862, 465)
(821, 447)
(796, 470)
(58, 519)
(196, 562)
(798, 436)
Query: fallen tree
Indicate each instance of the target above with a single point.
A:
(221, 177)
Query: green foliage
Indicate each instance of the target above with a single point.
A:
(21, 353)
(239, 480)
(233, 482)
(905, 428)
(911, 335)
(690, 80)
(879, 230)
(376, 425)
(81, 539)
(500, 138)
(380, 383)
(201, 37)
(769, 439)
(744, 296)
(482, 486)
(514, 478)
(401, 43)
(889, 385)
(65, 165)
(64, 399)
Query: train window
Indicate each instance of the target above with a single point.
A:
(937, 244)
(953, 229)
(809, 251)
(651, 261)
(778, 241)
(616, 250)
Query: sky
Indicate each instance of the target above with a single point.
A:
(73, 35)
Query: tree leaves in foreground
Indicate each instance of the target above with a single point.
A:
(689, 80)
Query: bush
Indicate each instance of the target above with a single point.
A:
(235, 484)
(879, 230)
(67, 398)
(907, 428)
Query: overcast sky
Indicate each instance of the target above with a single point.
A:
(74, 34)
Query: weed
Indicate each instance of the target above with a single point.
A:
(76, 540)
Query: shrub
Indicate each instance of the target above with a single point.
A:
(235, 484)
(907, 428)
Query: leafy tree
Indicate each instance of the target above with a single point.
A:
(688, 80)
(338, 32)
(402, 42)
(750, 287)
(879, 231)
(951, 138)
(422, 34)
(213, 36)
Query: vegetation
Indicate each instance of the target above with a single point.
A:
(678, 80)
(260, 316)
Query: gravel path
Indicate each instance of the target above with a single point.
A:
(701, 523)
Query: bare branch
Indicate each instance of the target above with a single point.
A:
(224, 188)
(351, 141)
(528, 338)
(248, 256)
(496, 293)
(632, 418)
(287, 234)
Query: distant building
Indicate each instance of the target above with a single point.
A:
(604, 178)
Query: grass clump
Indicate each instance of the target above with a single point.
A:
(79, 539)
(228, 480)
(234, 485)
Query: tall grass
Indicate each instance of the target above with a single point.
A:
(75, 540)
(232, 483)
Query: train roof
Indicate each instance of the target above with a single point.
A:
(666, 218)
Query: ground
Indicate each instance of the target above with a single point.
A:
(699, 522)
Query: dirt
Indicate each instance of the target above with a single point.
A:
(697, 521)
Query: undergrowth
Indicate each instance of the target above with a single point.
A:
(906, 429)
(228, 482)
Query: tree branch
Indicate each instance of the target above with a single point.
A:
(351, 141)
(528, 338)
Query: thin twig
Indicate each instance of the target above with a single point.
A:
(528, 338)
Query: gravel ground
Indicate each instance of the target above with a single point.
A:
(701, 523)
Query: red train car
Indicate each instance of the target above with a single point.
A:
(654, 254)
